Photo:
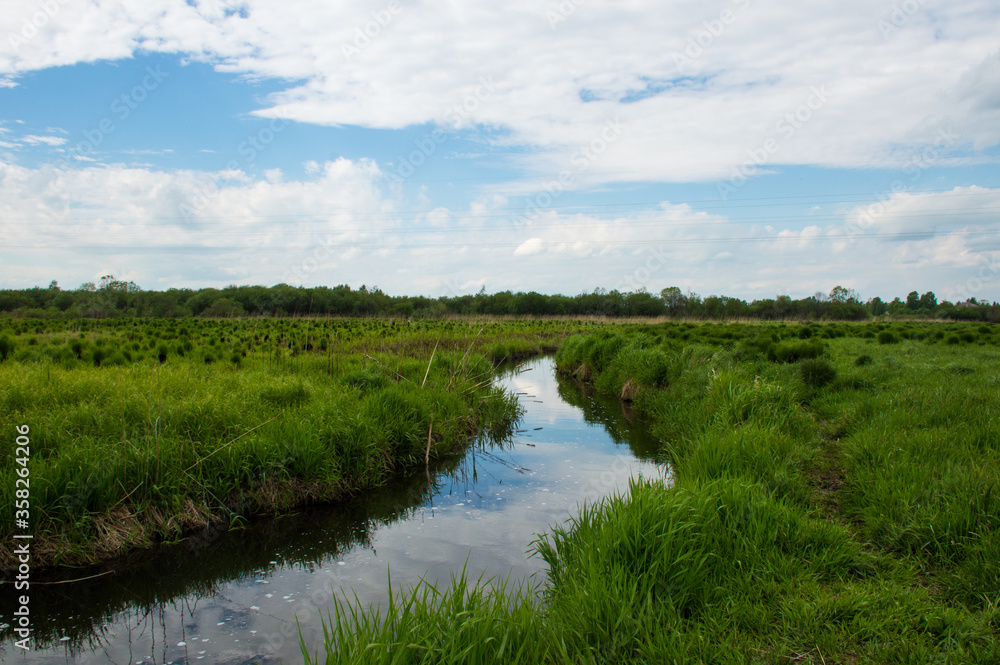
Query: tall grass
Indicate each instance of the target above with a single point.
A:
(832, 498)
(491, 621)
(128, 454)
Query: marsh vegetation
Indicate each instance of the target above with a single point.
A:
(833, 499)
(833, 494)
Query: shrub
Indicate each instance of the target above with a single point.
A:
(365, 380)
(863, 360)
(99, 355)
(789, 352)
(886, 337)
(6, 347)
(117, 359)
(817, 372)
(287, 395)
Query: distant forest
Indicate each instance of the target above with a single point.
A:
(116, 298)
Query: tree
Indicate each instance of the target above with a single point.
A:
(839, 294)
(877, 306)
(714, 307)
(783, 306)
(928, 301)
(842, 294)
(673, 300)
(643, 303)
(223, 308)
(912, 300)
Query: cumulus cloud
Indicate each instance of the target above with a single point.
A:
(32, 139)
(341, 225)
(589, 94)
(700, 88)
(528, 247)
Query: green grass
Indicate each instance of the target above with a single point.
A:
(485, 622)
(143, 431)
(833, 498)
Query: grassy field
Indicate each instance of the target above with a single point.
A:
(147, 430)
(835, 498)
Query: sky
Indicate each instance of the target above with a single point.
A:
(747, 148)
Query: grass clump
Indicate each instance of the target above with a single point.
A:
(489, 621)
(789, 352)
(817, 372)
(887, 337)
(137, 449)
(859, 523)
(6, 347)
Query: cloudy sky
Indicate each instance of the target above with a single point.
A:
(738, 147)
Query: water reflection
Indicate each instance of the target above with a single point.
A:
(234, 596)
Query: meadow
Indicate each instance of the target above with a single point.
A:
(146, 430)
(833, 494)
(833, 499)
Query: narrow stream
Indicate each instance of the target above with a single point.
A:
(233, 597)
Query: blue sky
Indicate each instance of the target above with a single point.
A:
(741, 148)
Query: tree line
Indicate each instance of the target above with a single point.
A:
(113, 297)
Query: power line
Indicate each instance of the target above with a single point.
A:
(923, 235)
(624, 207)
(558, 224)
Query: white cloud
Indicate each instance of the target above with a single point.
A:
(529, 247)
(614, 93)
(339, 225)
(33, 139)
(972, 209)
(697, 96)
(147, 151)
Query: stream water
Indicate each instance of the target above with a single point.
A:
(233, 597)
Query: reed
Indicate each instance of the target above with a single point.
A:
(831, 498)
(129, 454)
